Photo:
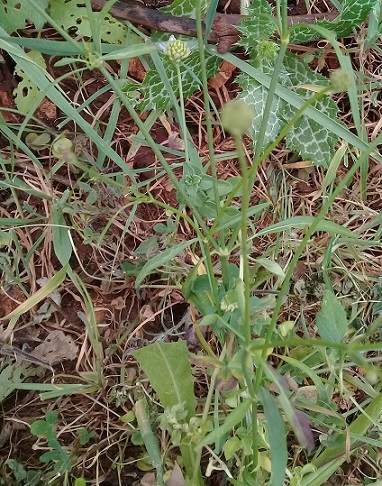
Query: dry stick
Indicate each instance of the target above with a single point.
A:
(223, 33)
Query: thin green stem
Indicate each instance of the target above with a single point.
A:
(152, 144)
(245, 274)
(183, 114)
(308, 233)
(210, 139)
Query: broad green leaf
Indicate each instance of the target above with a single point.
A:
(352, 14)
(271, 266)
(276, 437)
(331, 321)
(159, 260)
(297, 419)
(80, 482)
(231, 420)
(169, 371)
(39, 427)
(14, 14)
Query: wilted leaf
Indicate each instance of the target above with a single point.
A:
(56, 348)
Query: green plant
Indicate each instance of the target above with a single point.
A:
(258, 372)
(58, 455)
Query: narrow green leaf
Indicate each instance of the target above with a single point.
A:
(331, 321)
(40, 78)
(40, 295)
(169, 371)
(161, 259)
(149, 438)
(276, 437)
(301, 222)
(232, 419)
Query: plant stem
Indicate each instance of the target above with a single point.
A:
(211, 151)
(183, 114)
(247, 365)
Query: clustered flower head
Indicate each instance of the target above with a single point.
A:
(176, 49)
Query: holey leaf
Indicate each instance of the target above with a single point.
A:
(307, 137)
(73, 14)
(169, 371)
(331, 321)
(14, 14)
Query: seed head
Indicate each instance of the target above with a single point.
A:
(237, 117)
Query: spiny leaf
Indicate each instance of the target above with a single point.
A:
(257, 25)
(185, 8)
(352, 14)
(156, 97)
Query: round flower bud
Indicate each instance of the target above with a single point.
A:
(177, 50)
(237, 117)
(340, 80)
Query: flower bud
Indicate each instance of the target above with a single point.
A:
(177, 50)
(237, 117)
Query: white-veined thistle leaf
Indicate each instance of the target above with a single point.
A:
(257, 25)
(185, 8)
(156, 97)
(352, 14)
(308, 138)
